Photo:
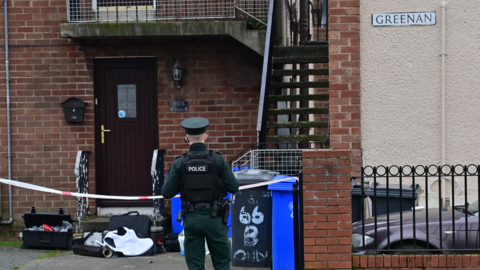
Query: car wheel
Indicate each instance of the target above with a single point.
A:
(410, 249)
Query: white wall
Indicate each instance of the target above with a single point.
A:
(401, 85)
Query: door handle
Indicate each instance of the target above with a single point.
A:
(103, 134)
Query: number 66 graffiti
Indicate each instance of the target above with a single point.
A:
(251, 231)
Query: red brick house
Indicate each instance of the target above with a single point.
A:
(122, 70)
(118, 58)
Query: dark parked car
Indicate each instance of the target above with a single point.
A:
(445, 232)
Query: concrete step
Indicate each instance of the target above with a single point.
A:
(95, 224)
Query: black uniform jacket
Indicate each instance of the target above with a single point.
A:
(172, 185)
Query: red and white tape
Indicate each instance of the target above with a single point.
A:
(131, 198)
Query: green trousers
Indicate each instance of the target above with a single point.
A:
(197, 228)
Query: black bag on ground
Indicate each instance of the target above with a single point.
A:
(141, 224)
(79, 247)
(151, 251)
(171, 243)
(93, 251)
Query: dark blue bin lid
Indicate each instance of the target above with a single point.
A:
(286, 185)
(252, 176)
(357, 188)
(394, 190)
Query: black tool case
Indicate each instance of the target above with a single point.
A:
(46, 239)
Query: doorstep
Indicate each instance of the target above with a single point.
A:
(95, 224)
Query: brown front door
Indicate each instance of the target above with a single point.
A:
(127, 111)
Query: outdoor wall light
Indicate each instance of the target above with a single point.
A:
(177, 73)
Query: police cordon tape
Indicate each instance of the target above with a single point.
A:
(131, 198)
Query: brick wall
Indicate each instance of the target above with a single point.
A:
(425, 262)
(327, 195)
(327, 222)
(344, 60)
(327, 209)
(221, 81)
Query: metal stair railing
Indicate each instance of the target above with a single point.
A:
(115, 11)
(263, 104)
(269, 156)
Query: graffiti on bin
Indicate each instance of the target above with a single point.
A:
(252, 217)
(254, 257)
(265, 194)
(290, 207)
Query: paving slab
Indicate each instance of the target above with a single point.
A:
(27, 259)
(11, 257)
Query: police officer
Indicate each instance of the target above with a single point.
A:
(202, 177)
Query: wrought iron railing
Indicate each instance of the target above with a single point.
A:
(160, 10)
(157, 182)
(416, 210)
(81, 177)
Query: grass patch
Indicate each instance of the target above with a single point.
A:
(10, 243)
(89, 218)
(53, 253)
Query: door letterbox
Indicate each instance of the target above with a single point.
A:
(74, 109)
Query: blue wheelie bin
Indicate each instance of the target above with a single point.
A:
(177, 227)
(176, 205)
(283, 246)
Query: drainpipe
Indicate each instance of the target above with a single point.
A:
(443, 83)
(443, 97)
(7, 83)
